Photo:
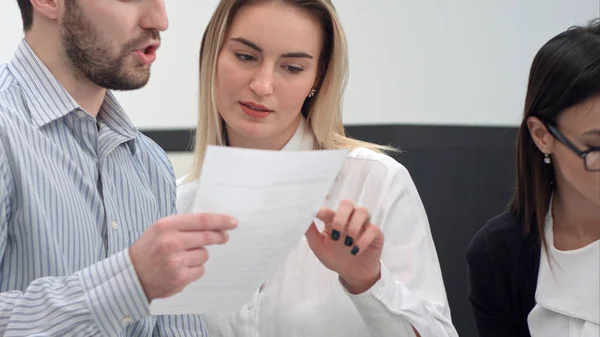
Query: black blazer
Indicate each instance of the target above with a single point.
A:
(503, 267)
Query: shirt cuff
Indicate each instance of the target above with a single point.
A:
(385, 284)
(114, 293)
(380, 303)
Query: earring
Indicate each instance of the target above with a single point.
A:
(312, 93)
(547, 159)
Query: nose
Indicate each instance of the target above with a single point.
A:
(155, 17)
(262, 82)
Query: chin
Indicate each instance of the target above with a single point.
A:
(133, 81)
(592, 197)
(596, 200)
(253, 131)
(250, 129)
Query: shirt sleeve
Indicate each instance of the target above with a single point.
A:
(97, 301)
(489, 311)
(180, 326)
(410, 292)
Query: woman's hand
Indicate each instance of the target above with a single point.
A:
(349, 245)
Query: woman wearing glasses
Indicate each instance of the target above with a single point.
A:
(534, 270)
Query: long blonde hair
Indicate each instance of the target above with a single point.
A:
(323, 111)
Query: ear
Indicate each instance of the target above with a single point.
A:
(49, 9)
(318, 78)
(542, 138)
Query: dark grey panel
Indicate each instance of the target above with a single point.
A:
(464, 176)
(173, 140)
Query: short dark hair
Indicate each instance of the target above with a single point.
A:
(26, 13)
(565, 72)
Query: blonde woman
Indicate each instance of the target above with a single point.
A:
(272, 75)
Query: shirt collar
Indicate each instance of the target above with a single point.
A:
(113, 114)
(302, 140)
(48, 100)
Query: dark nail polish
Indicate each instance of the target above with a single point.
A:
(354, 250)
(349, 241)
(335, 235)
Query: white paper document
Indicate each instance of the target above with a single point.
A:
(275, 196)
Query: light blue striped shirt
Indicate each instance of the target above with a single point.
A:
(75, 193)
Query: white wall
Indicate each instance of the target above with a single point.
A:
(459, 62)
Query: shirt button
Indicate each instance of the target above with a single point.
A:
(81, 113)
(114, 224)
(126, 320)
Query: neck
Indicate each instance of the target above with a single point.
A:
(276, 142)
(47, 48)
(576, 219)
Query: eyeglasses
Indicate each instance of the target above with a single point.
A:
(591, 157)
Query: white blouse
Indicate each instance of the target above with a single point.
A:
(305, 299)
(568, 291)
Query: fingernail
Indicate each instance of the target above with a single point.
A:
(335, 235)
(354, 250)
(233, 221)
(349, 241)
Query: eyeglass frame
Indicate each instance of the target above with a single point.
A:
(566, 142)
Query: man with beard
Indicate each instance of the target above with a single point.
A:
(87, 233)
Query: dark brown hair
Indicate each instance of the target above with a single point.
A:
(26, 13)
(564, 73)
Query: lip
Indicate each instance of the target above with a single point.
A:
(256, 106)
(249, 108)
(147, 53)
(152, 44)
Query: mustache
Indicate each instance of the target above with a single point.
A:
(146, 36)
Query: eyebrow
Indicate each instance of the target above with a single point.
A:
(253, 45)
(593, 132)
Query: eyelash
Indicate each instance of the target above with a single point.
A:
(245, 57)
(294, 69)
(248, 58)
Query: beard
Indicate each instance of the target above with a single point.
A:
(91, 58)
